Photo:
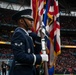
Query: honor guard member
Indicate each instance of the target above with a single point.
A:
(26, 56)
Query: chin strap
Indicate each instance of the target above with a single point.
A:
(26, 24)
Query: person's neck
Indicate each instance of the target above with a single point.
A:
(23, 28)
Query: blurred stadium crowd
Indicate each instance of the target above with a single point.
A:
(66, 62)
(6, 53)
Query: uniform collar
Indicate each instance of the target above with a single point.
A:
(24, 30)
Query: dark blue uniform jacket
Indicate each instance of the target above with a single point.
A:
(23, 49)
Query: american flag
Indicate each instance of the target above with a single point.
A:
(37, 6)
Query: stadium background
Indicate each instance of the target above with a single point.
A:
(67, 9)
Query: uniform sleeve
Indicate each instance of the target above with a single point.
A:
(37, 43)
(18, 46)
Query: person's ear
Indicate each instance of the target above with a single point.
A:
(21, 21)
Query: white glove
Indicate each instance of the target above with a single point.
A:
(44, 57)
(39, 32)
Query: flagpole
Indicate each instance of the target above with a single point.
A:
(43, 43)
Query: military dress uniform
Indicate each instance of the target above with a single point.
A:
(26, 47)
(23, 49)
